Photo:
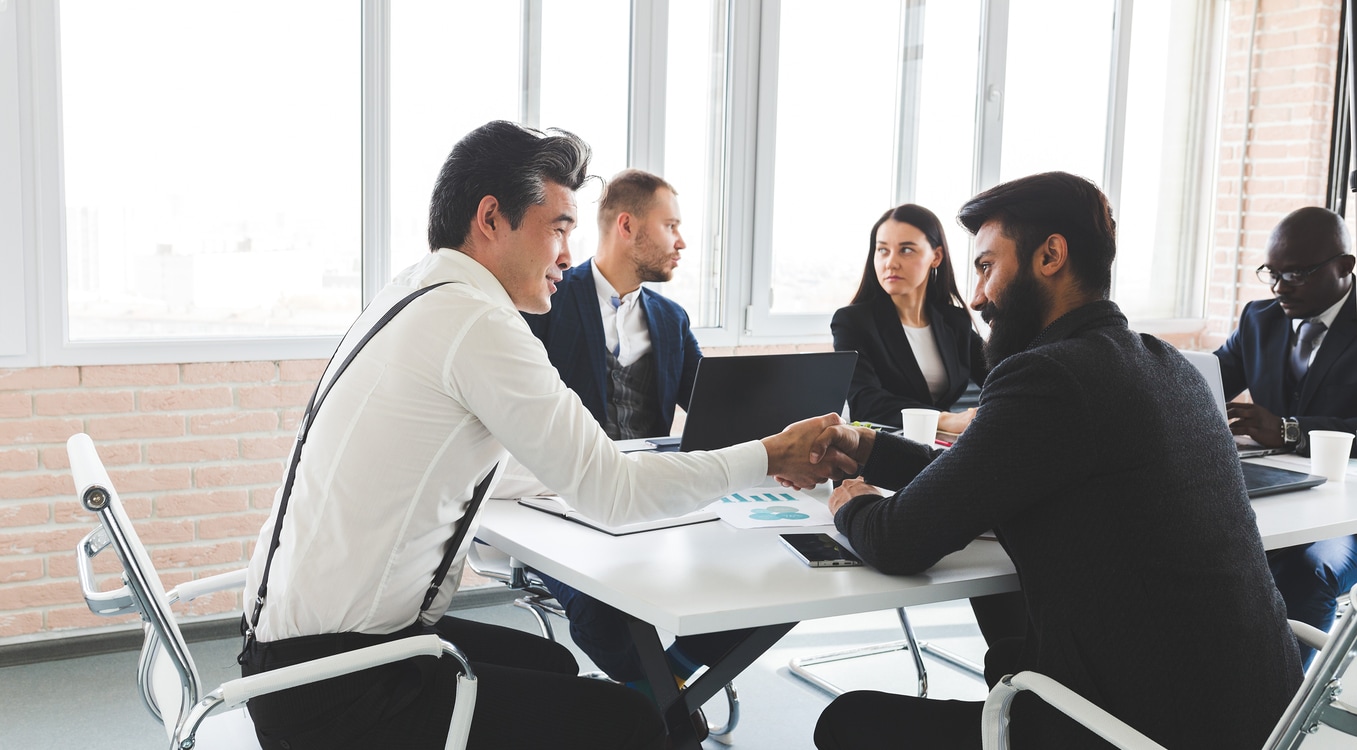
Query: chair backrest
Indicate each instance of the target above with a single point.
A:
(1313, 703)
(167, 676)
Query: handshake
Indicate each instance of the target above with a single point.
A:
(814, 450)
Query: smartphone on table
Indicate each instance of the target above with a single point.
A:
(820, 550)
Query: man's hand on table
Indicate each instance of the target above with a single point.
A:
(850, 489)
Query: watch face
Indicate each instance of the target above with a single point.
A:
(1291, 432)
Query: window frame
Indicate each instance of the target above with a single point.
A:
(17, 279)
(33, 291)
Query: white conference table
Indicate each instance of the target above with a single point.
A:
(712, 577)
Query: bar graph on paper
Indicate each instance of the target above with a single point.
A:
(759, 508)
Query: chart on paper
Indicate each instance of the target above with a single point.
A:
(759, 508)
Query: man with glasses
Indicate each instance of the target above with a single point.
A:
(1296, 354)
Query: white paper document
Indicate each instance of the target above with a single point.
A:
(764, 507)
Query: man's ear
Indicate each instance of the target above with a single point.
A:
(488, 219)
(1345, 265)
(626, 225)
(1052, 256)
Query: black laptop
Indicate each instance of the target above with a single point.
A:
(742, 398)
(1261, 480)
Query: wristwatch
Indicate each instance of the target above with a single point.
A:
(1290, 431)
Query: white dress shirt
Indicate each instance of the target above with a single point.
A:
(452, 385)
(625, 328)
(1327, 317)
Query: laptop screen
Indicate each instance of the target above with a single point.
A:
(736, 399)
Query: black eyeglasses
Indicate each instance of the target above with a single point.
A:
(1294, 278)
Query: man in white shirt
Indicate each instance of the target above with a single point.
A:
(1296, 354)
(400, 445)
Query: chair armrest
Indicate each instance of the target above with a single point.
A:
(994, 721)
(1309, 634)
(190, 590)
(237, 692)
(110, 603)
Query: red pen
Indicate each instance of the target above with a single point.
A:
(943, 443)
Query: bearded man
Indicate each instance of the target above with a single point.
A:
(1098, 458)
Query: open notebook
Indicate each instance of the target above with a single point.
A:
(558, 507)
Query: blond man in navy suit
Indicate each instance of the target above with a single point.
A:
(630, 354)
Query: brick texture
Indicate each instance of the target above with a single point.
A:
(195, 451)
(1283, 161)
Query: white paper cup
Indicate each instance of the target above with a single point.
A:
(1329, 452)
(921, 425)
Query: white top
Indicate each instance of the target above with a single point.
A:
(1327, 318)
(624, 326)
(448, 388)
(926, 353)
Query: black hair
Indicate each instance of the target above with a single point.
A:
(1031, 209)
(511, 162)
(942, 288)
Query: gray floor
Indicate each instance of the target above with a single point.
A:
(92, 701)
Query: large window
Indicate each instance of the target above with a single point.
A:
(429, 109)
(694, 128)
(211, 184)
(833, 140)
(181, 181)
(1167, 162)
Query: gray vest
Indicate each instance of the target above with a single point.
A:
(632, 399)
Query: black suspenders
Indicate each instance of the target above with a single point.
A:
(313, 406)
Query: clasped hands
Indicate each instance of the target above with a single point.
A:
(814, 450)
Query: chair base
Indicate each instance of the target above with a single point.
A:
(798, 666)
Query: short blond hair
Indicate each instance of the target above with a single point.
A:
(630, 191)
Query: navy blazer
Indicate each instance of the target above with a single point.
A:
(573, 335)
(1254, 358)
(886, 377)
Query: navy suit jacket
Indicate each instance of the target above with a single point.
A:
(573, 335)
(886, 377)
(1254, 358)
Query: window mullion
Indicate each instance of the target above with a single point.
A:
(376, 146)
(530, 67)
(990, 104)
(13, 250)
(910, 86)
(647, 96)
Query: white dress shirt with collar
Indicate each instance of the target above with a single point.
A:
(624, 326)
(1327, 317)
(452, 385)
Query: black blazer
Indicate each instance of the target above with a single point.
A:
(887, 378)
(1100, 461)
(1254, 357)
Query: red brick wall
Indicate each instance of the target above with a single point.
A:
(1285, 154)
(196, 451)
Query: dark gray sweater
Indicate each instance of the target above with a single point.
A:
(1099, 459)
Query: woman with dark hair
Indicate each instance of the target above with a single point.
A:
(916, 344)
(917, 348)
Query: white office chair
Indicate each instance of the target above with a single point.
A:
(169, 682)
(491, 563)
(1314, 704)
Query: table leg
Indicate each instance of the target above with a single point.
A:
(676, 706)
